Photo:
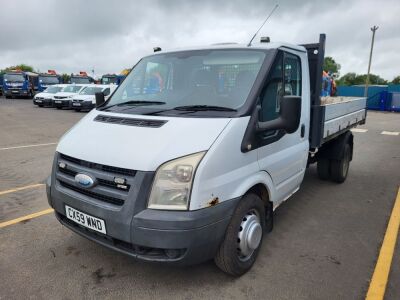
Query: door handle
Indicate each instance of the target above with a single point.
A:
(302, 130)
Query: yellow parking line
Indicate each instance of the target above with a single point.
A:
(21, 188)
(28, 217)
(380, 277)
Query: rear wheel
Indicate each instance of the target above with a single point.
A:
(8, 97)
(77, 109)
(58, 107)
(323, 168)
(41, 105)
(340, 168)
(243, 237)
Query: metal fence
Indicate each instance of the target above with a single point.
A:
(380, 97)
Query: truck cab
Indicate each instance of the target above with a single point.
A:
(81, 78)
(46, 80)
(112, 79)
(190, 156)
(1, 83)
(19, 84)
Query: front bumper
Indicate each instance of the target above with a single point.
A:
(44, 102)
(175, 237)
(84, 105)
(62, 103)
(17, 93)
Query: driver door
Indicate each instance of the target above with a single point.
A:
(282, 155)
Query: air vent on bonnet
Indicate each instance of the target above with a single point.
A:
(130, 121)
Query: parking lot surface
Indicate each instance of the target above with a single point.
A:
(324, 245)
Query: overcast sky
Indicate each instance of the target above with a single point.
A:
(72, 36)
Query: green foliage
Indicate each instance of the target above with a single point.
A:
(396, 80)
(22, 67)
(330, 65)
(354, 79)
(65, 78)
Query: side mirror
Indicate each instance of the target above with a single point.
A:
(100, 99)
(289, 117)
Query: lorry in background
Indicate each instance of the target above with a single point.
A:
(47, 79)
(191, 155)
(19, 84)
(81, 78)
(86, 99)
(1, 84)
(112, 79)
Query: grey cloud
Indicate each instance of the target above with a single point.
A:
(70, 36)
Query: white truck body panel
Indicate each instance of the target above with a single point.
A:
(139, 148)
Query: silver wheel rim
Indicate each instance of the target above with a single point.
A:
(249, 235)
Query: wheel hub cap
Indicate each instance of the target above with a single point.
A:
(249, 236)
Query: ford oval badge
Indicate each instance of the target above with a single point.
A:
(84, 180)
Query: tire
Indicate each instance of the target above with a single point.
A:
(77, 110)
(40, 105)
(323, 168)
(230, 258)
(340, 168)
(58, 107)
(8, 97)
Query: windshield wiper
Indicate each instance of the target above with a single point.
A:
(203, 108)
(135, 102)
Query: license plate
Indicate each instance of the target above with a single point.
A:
(59, 102)
(39, 101)
(85, 219)
(76, 104)
(15, 92)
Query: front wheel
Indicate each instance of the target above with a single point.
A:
(340, 168)
(243, 237)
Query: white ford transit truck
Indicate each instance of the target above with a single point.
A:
(189, 157)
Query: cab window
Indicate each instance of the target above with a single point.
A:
(284, 80)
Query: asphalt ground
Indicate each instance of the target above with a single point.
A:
(324, 245)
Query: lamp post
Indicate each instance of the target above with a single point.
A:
(373, 29)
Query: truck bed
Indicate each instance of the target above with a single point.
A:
(342, 113)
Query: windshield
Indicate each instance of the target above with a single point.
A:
(80, 80)
(108, 80)
(71, 89)
(91, 90)
(198, 77)
(49, 79)
(14, 77)
(53, 89)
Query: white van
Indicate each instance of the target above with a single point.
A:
(195, 149)
(45, 98)
(86, 99)
(63, 98)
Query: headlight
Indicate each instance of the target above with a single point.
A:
(173, 183)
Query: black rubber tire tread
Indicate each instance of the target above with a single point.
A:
(338, 165)
(323, 168)
(40, 105)
(58, 107)
(227, 259)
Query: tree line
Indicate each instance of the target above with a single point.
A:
(351, 78)
(330, 65)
